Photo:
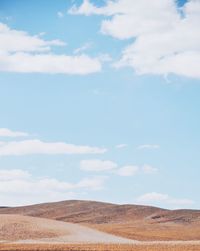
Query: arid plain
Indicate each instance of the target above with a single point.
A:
(90, 225)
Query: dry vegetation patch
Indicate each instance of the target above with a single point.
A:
(99, 247)
(150, 232)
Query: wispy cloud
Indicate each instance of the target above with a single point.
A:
(121, 146)
(83, 48)
(97, 165)
(148, 146)
(20, 41)
(27, 147)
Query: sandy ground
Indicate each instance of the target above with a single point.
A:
(25, 229)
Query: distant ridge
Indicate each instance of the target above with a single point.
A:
(80, 211)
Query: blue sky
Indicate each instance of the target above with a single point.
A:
(99, 102)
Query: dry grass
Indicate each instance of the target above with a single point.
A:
(149, 232)
(100, 247)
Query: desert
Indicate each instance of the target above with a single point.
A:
(91, 225)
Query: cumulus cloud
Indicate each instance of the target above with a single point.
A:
(4, 132)
(148, 146)
(36, 146)
(24, 53)
(97, 165)
(159, 198)
(165, 38)
(19, 187)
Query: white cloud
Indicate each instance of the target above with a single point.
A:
(164, 199)
(19, 187)
(148, 146)
(86, 9)
(128, 170)
(20, 41)
(49, 63)
(4, 132)
(23, 53)
(39, 147)
(97, 165)
(165, 38)
(121, 146)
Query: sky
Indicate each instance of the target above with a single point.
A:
(99, 100)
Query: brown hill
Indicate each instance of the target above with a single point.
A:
(131, 221)
(91, 212)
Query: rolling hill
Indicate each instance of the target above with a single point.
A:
(130, 221)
